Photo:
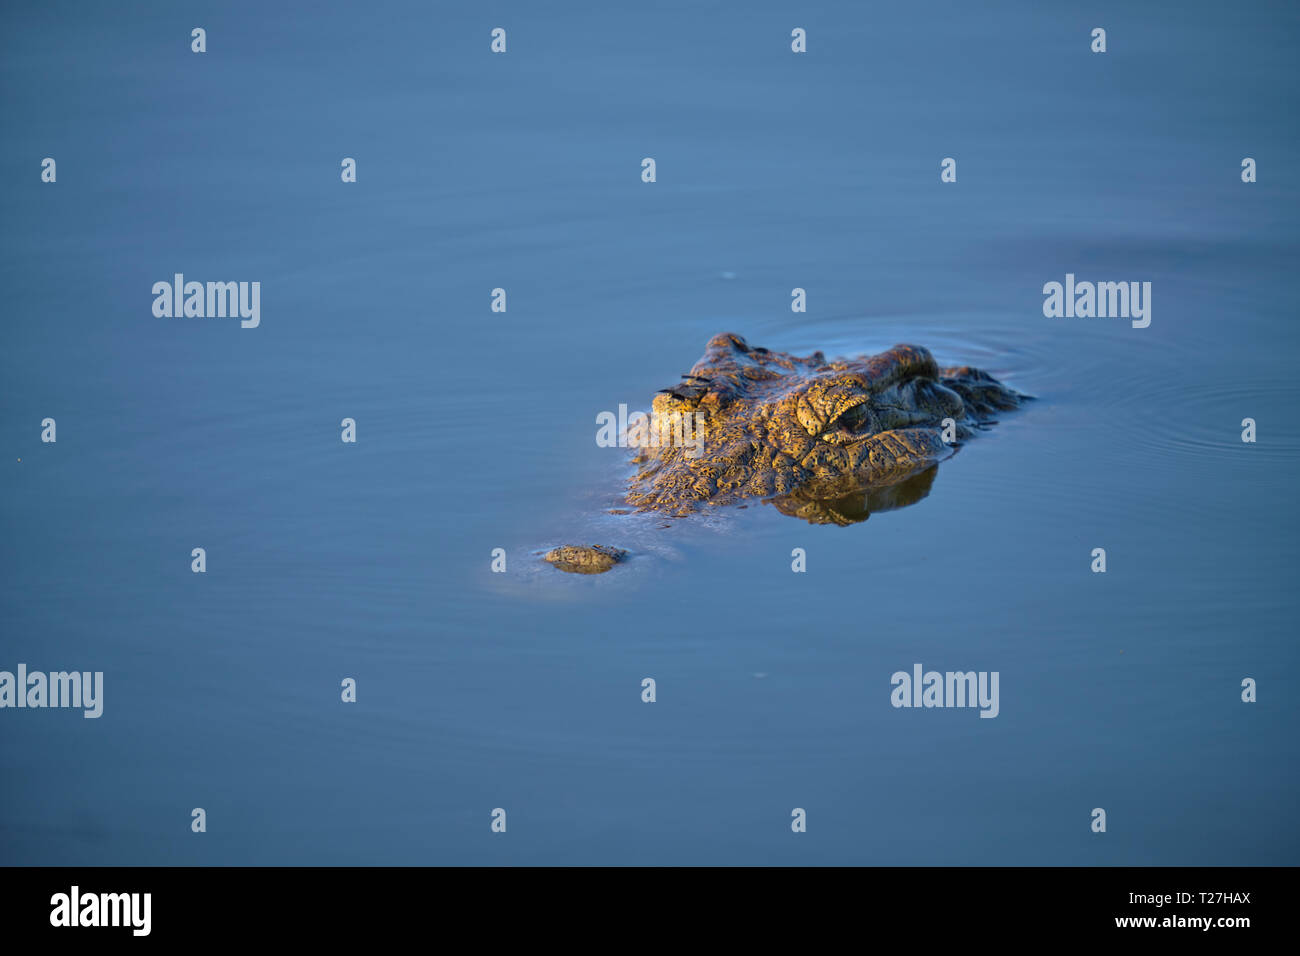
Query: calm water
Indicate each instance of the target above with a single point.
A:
(476, 431)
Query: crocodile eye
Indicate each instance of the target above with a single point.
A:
(854, 418)
(848, 418)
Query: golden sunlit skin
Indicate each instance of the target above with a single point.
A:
(584, 559)
(775, 424)
(809, 433)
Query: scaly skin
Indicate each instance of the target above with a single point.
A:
(584, 559)
(776, 425)
(827, 441)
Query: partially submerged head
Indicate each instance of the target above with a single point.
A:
(825, 441)
(770, 424)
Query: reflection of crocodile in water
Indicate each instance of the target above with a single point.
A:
(827, 441)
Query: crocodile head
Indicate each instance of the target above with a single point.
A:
(809, 433)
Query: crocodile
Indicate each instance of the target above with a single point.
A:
(825, 441)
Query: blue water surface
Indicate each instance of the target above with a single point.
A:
(522, 690)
